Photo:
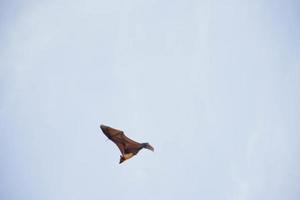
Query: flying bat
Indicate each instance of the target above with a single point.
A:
(127, 146)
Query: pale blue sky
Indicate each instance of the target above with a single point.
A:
(212, 85)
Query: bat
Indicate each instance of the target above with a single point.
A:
(127, 146)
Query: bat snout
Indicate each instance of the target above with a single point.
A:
(148, 146)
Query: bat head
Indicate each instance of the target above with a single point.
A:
(148, 146)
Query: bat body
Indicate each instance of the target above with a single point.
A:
(127, 146)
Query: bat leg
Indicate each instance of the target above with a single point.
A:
(122, 159)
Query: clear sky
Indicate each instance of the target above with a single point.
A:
(212, 85)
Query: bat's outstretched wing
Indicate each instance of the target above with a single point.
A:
(120, 139)
(114, 135)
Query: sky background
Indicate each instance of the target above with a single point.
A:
(212, 85)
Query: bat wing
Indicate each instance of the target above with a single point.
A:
(130, 146)
(115, 136)
(124, 143)
(129, 141)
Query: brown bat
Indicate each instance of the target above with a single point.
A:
(127, 146)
